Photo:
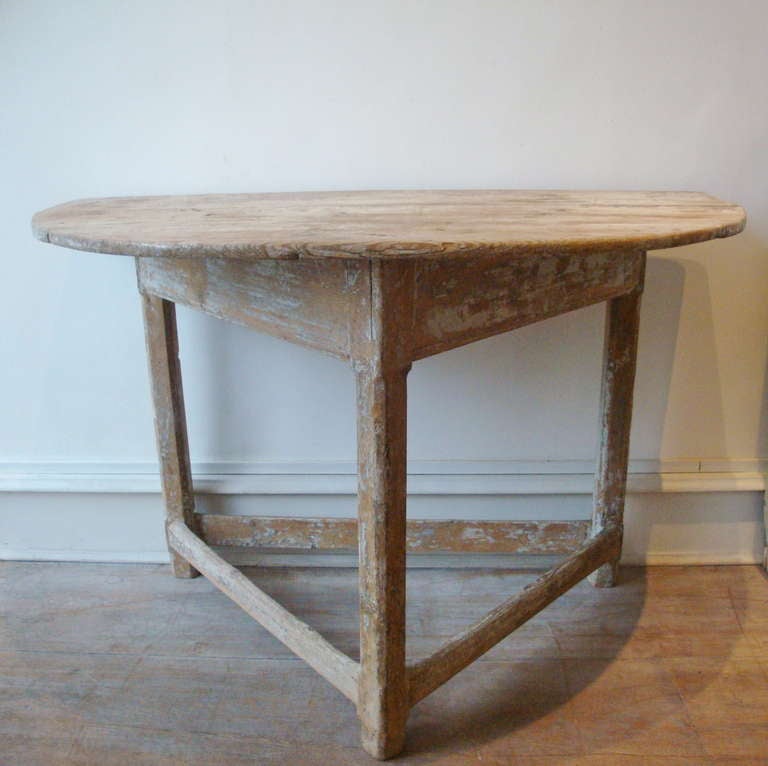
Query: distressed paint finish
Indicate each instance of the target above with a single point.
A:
(307, 643)
(622, 323)
(170, 419)
(459, 301)
(381, 279)
(464, 648)
(422, 535)
(381, 449)
(312, 303)
(389, 224)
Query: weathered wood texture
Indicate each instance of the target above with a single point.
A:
(459, 301)
(428, 674)
(422, 535)
(170, 418)
(388, 224)
(622, 322)
(307, 643)
(670, 667)
(381, 279)
(381, 449)
(322, 304)
(313, 303)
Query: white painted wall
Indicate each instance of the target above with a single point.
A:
(106, 98)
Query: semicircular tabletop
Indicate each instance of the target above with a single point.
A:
(387, 224)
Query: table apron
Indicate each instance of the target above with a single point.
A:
(315, 303)
(458, 302)
(327, 304)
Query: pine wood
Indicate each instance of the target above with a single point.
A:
(422, 535)
(170, 419)
(381, 447)
(381, 279)
(473, 642)
(312, 303)
(321, 304)
(307, 643)
(622, 324)
(388, 224)
(669, 667)
(458, 301)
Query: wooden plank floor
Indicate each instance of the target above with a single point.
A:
(122, 664)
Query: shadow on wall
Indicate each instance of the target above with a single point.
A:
(761, 448)
(533, 393)
(697, 365)
(720, 347)
(693, 419)
(657, 347)
(725, 526)
(529, 394)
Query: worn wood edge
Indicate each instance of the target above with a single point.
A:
(323, 303)
(381, 344)
(422, 535)
(622, 326)
(304, 641)
(162, 347)
(465, 647)
(385, 250)
(379, 249)
(513, 323)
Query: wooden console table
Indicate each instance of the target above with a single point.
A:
(380, 280)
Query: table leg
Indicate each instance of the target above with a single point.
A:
(619, 359)
(170, 419)
(381, 427)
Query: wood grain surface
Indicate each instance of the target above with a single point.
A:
(387, 224)
(162, 343)
(441, 269)
(299, 637)
(115, 664)
(622, 326)
(313, 303)
(422, 535)
(474, 641)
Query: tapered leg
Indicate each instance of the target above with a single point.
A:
(620, 353)
(382, 693)
(170, 419)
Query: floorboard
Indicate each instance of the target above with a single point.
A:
(114, 664)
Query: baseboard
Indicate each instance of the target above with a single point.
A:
(698, 558)
(491, 477)
(678, 512)
(423, 561)
(85, 556)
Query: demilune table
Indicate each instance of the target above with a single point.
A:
(380, 280)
